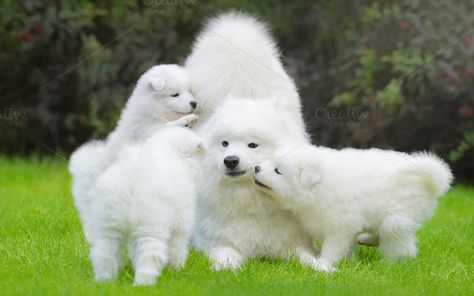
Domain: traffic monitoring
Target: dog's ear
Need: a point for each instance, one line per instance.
(308, 175)
(157, 83)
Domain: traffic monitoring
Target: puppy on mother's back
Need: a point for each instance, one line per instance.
(160, 98)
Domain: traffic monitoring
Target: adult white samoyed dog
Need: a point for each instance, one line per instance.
(236, 55)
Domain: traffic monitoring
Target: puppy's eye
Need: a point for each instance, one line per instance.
(252, 145)
(225, 143)
(277, 171)
(175, 95)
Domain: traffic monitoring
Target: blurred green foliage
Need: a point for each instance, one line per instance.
(390, 75)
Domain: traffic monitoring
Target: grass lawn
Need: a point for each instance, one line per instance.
(43, 251)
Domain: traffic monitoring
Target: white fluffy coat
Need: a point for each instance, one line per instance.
(152, 105)
(340, 194)
(146, 198)
(235, 55)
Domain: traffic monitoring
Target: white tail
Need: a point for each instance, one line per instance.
(88, 162)
(432, 170)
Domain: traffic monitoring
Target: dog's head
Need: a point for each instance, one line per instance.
(165, 92)
(242, 133)
(290, 175)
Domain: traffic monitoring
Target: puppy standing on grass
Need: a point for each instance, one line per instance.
(146, 198)
(161, 98)
(340, 194)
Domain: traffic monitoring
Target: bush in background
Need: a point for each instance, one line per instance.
(371, 73)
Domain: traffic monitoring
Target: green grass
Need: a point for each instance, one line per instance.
(43, 251)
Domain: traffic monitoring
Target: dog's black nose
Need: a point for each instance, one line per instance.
(193, 104)
(257, 169)
(231, 161)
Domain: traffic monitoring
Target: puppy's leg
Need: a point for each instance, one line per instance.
(368, 239)
(149, 256)
(225, 258)
(185, 121)
(333, 249)
(105, 257)
(178, 246)
(398, 238)
(306, 256)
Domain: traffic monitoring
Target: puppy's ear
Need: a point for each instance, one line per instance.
(308, 175)
(157, 83)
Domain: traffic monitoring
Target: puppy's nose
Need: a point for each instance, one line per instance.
(257, 169)
(231, 162)
(193, 104)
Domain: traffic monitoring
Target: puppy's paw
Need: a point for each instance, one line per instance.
(321, 265)
(105, 277)
(145, 278)
(226, 258)
(177, 263)
(190, 120)
(226, 264)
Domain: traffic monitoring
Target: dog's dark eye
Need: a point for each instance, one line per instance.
(175, 95)
(277, 171)
(225, 143)
(252, 145)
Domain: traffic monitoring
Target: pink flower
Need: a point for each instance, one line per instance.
(38, 28)
(441, 73)
(404, 24)
(469, 72)
(450, 79)
(25, 36)
(465, 111)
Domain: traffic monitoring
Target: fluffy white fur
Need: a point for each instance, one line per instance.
(236, 221)
(236, 55)
(340, 194)
(161, 98)
(146, 198)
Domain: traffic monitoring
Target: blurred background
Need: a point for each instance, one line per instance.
(387, 74)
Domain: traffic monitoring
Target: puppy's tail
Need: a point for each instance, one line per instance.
(434, 172)
(88, 162)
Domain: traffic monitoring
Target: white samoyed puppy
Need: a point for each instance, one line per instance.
(338, 194)
(235, 54)
(146, 198)
(237, 221)
(161, 98)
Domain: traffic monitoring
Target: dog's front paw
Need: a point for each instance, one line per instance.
(145, 278)
(321, 265)
(226, 258)
(105, 276)
(190, 120)
(178, 263)
(226, 263)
